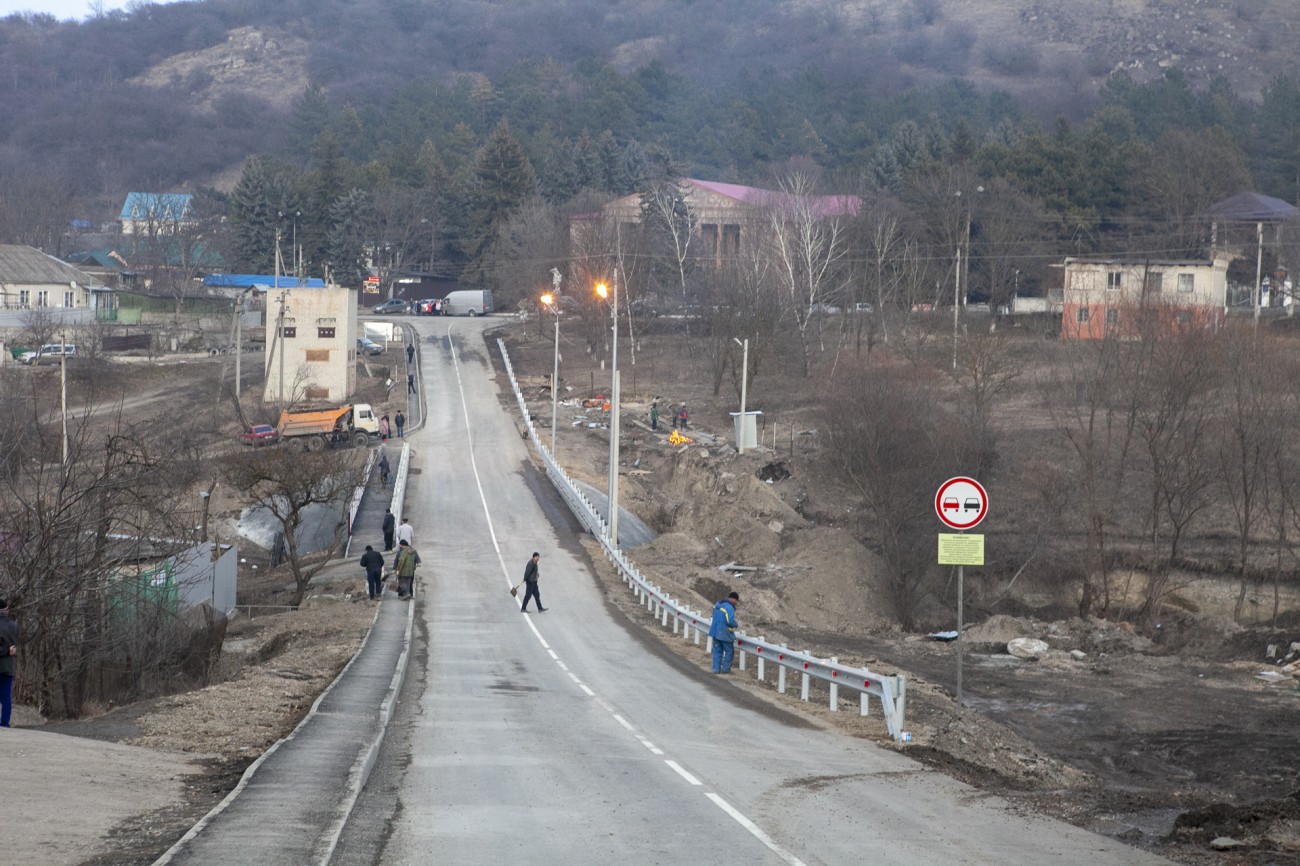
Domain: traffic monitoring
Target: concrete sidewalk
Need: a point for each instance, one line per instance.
(293, 802)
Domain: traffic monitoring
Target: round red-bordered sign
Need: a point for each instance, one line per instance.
(961, 502)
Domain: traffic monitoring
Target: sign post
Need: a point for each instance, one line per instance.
(961, 504)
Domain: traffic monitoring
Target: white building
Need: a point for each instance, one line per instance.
(311, 345)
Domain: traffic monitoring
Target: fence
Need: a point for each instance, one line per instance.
(890, 691)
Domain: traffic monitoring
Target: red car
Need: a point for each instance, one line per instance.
(260, 434)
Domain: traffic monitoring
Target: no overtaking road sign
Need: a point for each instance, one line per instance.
(961, 502)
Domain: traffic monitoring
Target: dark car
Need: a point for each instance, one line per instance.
(260, 434)
(367, 346)
(392, 305)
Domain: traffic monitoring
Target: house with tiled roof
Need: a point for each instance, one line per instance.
(32, 280)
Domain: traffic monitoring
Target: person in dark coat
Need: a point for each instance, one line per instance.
(530, 578)
(400, 420)
(383, 469)
(8, 664)
(410, 354)
(373, 562)
(410, 383)
(390, 527)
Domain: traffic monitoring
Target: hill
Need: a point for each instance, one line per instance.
(179, 95)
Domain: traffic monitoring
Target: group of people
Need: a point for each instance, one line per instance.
(405, 561)
(680, 416)
(386, 429)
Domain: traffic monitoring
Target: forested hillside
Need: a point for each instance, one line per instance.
(426, 128)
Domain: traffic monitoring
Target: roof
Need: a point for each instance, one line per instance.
(23, 264)
(165, 206)
(1252, 207)
(1132, 261)
(824, 205)
(248, 281)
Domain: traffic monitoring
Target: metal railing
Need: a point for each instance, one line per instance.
(889, 690)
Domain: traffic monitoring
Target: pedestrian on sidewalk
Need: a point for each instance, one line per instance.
(384, 428)
(410, 383)
(400, 420)
(410, 354)
(723, 632)
(383, 469)
(406, 532)
(373, 563)
(404, 564)
(390, 526)
(8, 664)
(530, 578)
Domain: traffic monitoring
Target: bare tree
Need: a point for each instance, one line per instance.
(807, 248)
(295, 488)
(986, 367)
(668, 218)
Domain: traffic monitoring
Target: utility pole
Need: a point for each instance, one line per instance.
(63, 393)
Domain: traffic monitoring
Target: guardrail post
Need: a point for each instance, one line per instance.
(900, 698)
(803, 691)
(675, 624)
(708, 642)
(762, 668)
(780, 679)
(866, 705)
(663, 610)
(835, 690)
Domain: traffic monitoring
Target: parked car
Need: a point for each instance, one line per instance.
(53, 353)
(260, 434)
(392, 305)
(367, 346)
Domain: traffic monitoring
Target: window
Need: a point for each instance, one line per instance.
(24, 297)
(1114, 280)
(730, 240)
(289, 331)
(1081, 315)
(69, 299)
(709, 237)
(325, 333)
(1186, 282)
(1112, 317)
(1184, 317)
(1155, 282)
(42, 298)
(318, 355)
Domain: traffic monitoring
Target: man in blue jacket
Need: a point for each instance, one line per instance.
(723, 632)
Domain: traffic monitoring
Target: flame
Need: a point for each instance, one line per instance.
(678, 439)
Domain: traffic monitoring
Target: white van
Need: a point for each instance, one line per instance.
(468, 302)
(53, 353)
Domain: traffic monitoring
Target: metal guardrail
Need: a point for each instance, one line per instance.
(890, 690)
(399, 482)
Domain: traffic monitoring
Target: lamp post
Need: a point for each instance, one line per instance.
(553, 305)
(744, 383)
(612, 297)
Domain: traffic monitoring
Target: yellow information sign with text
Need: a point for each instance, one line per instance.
(960, 549)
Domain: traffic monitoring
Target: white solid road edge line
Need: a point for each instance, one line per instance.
(755, 831)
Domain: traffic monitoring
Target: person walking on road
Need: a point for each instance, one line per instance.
(410, 354)
(405, 563)
(723, 632)
(400, 420)
(8, 664)
(410, 383)
(390, 526)
(373, 563)
(406, 532)
(530, 578)
(383, 469)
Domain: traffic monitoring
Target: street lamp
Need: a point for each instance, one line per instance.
(744, 382)
(552, 304)
(612, 297)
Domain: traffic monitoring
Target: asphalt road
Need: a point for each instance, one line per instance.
(565, 737)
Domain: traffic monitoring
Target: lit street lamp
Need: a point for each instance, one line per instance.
(612, 297)
(552, 304)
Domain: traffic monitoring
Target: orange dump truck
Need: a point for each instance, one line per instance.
(313, 431)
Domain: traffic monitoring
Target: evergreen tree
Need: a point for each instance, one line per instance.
(503, 180)
(311, 117)
(327, 182)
